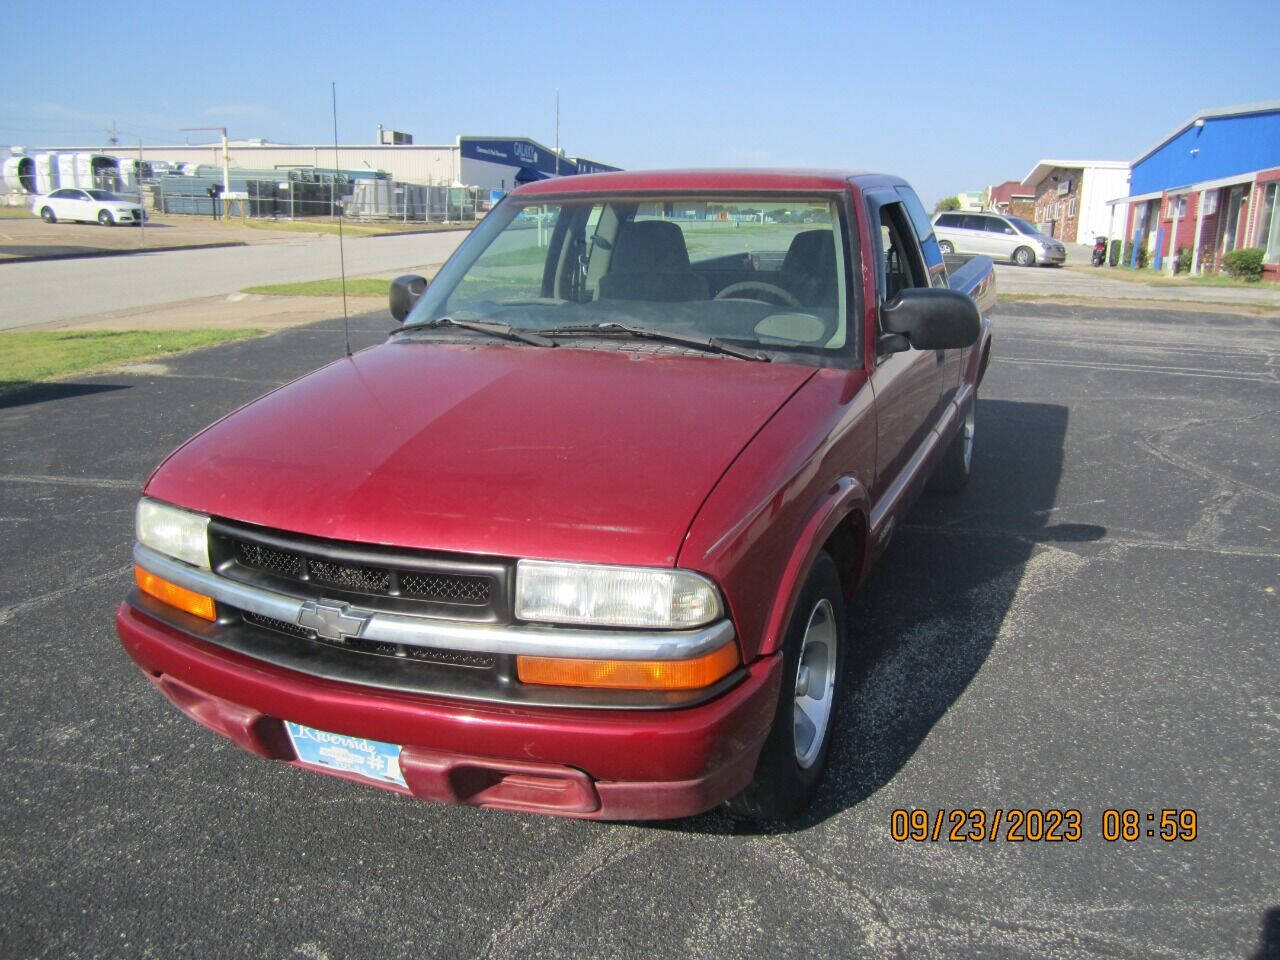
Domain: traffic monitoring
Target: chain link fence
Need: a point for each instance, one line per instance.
(289, 194)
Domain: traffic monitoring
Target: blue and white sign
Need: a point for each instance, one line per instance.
(514, 153)
(370, 759)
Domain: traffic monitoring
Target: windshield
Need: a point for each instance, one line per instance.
(766, 272)
(1024, 227)
(103, 195)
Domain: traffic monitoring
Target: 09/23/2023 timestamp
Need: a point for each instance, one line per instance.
(1040, 825)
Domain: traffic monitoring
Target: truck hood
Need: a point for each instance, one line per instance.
(569, 454)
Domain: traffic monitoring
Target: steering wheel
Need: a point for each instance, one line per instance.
(759, 286)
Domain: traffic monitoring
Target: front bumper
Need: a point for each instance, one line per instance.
(603, 764)
(1053, 255)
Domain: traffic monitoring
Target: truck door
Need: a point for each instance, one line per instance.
(908, 385)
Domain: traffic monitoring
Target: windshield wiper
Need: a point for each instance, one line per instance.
(709, 344)
(503, 330)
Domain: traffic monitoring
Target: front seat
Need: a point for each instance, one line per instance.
(809, 269)
(651, 262)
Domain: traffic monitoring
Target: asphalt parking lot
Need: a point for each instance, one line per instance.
(1091, 625)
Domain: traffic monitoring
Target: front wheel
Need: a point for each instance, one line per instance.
(956, 466)
(105, 218)
(1024, 257)
(47, 215)
(946, 247)
(793, 756)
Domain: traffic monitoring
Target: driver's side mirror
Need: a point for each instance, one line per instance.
(927, 318)
(404, 293)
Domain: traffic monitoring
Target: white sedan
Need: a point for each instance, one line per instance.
(71, 203)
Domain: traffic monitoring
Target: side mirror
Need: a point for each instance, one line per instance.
(405, 292)
(932, 319)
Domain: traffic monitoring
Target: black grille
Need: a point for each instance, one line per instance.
(279, 626)
(369, 580)
(268, 559)
(380, 578)
(452, 658)
(359, 579)
(453, 589)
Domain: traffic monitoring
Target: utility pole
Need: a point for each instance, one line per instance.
(557, 132)
(226, 180)
(111, 137)
(142, 224)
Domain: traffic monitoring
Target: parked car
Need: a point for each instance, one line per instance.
(578, 537)
(998, 236)
(72, 203)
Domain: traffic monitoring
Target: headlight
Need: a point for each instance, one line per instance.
(614, 596)
(180, 534)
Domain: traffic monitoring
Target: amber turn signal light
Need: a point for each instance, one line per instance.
(196, 604)
(630, 674)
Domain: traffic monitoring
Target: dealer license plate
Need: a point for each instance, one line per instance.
(368, 759)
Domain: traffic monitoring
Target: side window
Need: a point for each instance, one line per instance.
(973, 221)
(61, 194)
(901, 265)
(915, 210)
(996, 225)
(949, 220)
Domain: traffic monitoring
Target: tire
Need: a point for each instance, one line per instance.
(47, 215)
(946, 247)
(105, 218)
(956, 466)
(790, 766)
(1024, 257)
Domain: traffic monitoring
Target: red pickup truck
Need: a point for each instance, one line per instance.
(578, 537)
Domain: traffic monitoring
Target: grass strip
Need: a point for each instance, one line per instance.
(1158, 278)
(1154, 302)
(356, 287)
(31, 357)
(354, 228)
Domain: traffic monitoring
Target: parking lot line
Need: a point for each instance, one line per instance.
(1139, 368)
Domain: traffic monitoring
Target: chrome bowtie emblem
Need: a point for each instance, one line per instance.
(331, 622)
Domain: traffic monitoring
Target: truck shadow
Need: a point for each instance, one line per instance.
(926, 619)
(18, 393)
(1269, 937)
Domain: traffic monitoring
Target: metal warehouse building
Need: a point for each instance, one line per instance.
(1208, 187)
(490, 163)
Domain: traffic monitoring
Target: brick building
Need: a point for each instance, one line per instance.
(1011, 198)
(1071, 196)
(1208, 188)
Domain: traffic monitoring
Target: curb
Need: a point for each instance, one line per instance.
(122, 253)
(415, 233)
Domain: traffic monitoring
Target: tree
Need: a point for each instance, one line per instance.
(947, 203)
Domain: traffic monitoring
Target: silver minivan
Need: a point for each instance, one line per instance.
(997, 236)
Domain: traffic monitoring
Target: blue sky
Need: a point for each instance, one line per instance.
(952, 96)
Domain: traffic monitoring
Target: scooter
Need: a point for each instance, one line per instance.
(1099, 251)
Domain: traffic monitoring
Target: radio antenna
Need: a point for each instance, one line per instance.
(333, 195)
